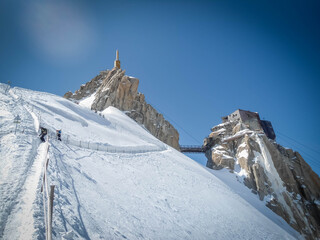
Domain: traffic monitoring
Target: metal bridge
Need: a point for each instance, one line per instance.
(192, 149)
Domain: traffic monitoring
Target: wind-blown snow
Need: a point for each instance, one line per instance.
(87, 102)
(154, 194)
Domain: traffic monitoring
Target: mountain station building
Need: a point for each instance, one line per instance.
(253, 120)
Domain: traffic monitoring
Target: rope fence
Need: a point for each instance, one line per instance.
(109, 148)
(98, 146)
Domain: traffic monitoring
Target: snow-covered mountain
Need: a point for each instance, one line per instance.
(279, 176)
(114, 88)
(113, 180)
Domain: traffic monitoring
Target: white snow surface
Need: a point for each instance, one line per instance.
(87, 102)
(143, 189)
(243, 154)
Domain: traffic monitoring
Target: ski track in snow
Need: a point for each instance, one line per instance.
(61, 165)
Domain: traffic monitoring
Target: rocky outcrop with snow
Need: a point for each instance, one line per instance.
(278, 175)
(114, 88)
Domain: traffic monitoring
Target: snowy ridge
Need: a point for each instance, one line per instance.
(155, 194)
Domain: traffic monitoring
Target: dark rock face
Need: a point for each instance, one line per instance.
(114, 88)
(275, 173)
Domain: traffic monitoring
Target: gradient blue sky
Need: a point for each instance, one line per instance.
(196, 60)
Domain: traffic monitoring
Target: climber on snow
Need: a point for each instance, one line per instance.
(58, 134)
(43, 133)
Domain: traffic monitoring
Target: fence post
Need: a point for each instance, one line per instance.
(51, 197)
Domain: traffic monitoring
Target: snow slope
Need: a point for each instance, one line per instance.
(113, 180)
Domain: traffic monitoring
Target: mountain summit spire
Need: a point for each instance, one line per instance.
(117, 61)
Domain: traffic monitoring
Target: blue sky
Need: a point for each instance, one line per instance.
(196, 60)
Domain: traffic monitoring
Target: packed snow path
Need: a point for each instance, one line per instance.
(104, 195)
(20, 171)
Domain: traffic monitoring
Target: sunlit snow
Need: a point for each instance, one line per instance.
(142, 189)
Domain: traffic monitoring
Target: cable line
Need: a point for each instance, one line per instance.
(159, 110)
(298, 142)
(310, 158)
(299, 147)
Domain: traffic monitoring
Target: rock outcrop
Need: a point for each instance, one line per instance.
(114, 88)
(277, 174)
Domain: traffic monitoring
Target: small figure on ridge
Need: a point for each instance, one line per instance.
(58, 134)
(43, 133)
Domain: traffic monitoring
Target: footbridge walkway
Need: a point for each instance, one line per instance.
(192, 149)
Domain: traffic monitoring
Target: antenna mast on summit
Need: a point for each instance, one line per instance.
(117, 61)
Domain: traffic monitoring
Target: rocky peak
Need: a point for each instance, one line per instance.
(114, 88)
(279, 176)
